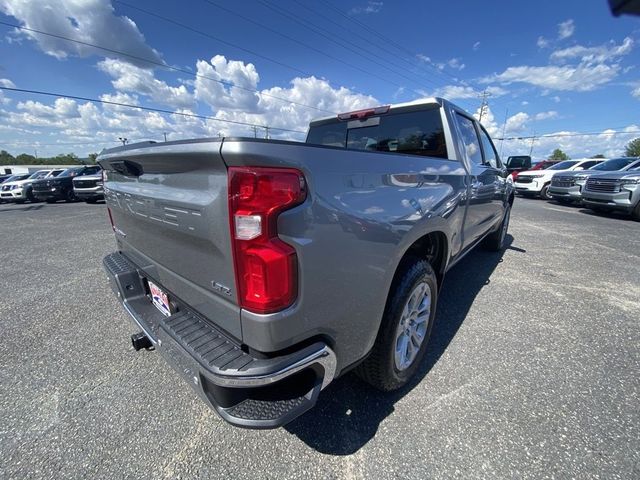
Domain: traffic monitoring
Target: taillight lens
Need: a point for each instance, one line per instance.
(266, 267)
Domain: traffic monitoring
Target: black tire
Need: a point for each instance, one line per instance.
(636, 212)
(495, 240)
(91, 200)
(69, 196)
(380, 369)
(30, 196)
(544, 193)
(50, 200)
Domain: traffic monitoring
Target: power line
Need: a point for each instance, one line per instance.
(362, 37)
(163, 65)
(330, 36)
(400, 47)
(294, 40)
(572, 134)
(150, 109)
(205, 34)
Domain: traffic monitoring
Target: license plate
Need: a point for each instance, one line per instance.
(159, 299)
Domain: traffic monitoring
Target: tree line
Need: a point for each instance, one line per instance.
(63, 159)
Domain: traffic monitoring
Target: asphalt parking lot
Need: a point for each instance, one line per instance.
(533, 370)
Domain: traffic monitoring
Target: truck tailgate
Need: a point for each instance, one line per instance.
(170, 212)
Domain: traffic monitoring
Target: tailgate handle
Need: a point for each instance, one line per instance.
(127, 168)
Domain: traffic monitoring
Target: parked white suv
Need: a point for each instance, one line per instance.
(20, 191)
(537, 182)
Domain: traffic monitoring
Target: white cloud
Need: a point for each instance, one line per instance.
(516, 123)
(458, 92)
(546, 115)
(423, 58)
(566, 29)
(524, 103)
(476, 46)
(66, 120)
(600, 54)
(91, 21)
(556, 99)
(133, 79)
(542, 42)
(370, 7)
(456, 64)
(5, 82)
(636, 92)
(234, 72)
(581, 78)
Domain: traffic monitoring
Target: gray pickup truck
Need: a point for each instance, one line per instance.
(263, 269)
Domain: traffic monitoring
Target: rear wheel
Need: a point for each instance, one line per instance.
(50, 200)
(91, 200)
(70, 196)
(495, 241)
(544, 193)
(636, 212)
(404, 332)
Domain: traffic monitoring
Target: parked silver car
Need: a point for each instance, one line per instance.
(615, 191)
(568, 186)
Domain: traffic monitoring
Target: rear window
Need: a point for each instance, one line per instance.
(416, 133)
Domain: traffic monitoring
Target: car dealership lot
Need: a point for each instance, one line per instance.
(533, 368)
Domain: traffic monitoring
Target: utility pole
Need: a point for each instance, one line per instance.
(504, 127)
(484, 103)
(165, 136)
(255, 131)
(533, 140)
(266, 130)
(124, 140)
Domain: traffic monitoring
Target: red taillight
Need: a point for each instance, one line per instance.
(266, 267)
(113, 225)
(361, 114)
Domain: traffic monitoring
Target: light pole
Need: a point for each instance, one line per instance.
(124, 140)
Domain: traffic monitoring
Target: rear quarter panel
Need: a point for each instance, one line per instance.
(363, 211)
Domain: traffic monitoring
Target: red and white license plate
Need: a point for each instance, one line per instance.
(159, 299)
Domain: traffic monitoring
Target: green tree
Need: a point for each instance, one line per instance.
(598, 155)
(633, 148)
(25, 159)
(6, 158)
(92, 158)
(559, 155)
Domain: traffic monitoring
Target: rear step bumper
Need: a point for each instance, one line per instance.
(245, 391)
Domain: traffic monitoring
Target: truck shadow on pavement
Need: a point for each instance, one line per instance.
(349, 411)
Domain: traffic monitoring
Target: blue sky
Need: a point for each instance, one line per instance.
(551, 67)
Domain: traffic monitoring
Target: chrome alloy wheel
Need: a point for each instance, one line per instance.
(412, 328)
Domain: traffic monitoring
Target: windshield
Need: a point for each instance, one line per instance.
(614, 164)
(517, 162)
(15, 178)
(39, 174)
(563, 165)
(70, 172)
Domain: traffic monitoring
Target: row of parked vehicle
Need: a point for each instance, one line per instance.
(602, 185)
(50, 185)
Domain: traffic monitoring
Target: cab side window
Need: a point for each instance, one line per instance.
(490, 154)
(470, 139)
